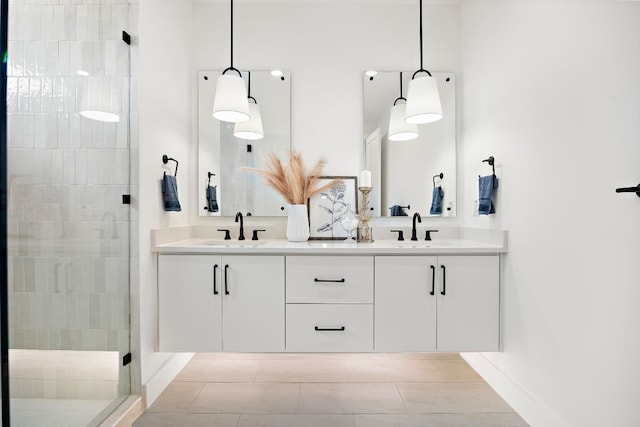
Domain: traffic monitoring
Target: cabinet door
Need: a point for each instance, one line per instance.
(189, 310)
(469, 310)
(254, 306)
(405, 308)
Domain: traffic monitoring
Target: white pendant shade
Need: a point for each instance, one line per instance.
(252, 128)
(399, 129)
(423, 101)
(230, 103)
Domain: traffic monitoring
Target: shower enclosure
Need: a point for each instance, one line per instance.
(68, 174)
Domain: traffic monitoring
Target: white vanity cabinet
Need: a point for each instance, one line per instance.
(437, 303)
(329, 303)
(213, 303)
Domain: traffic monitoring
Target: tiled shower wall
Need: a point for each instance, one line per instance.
(68, 231)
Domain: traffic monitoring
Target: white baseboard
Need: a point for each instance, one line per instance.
(156, 385)
(533, 412)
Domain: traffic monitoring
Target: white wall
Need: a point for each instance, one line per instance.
(551, 89)
(165, 128)
(326, 46)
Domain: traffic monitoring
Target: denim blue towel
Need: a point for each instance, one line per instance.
(397, 210)
(212, 201)
(487, 185)
(170, 193)
(436, 201)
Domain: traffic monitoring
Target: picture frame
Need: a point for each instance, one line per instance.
(327, 208)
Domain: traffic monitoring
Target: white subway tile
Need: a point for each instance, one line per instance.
(121, 133)
(93, 162)
(35, 94)
(24, 102)
(28, 129)
(35, 15)
(39, 48)
(63, 130)
(81, 166)
(47, 95)
(110, 134)
(85, 58)
(110, 58)
(74, 130)
(69, 170)
(40, 131)
(15, 61)
(47, 23)
(24, 20)
(58, 94)
(17, 131)
(70, 93)
(57, 163)
(93, 22)
(64, 58)
(86, 132)
(98, 134)
(123, 59)
(14, 23)
(70, 26)
(58, 22)
(52, 59)
(82, 22)
(29, 59)
(12, 94)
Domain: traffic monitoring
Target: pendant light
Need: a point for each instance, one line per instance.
(399, 129)
(230, 103)
(252, 128)
(423, 100)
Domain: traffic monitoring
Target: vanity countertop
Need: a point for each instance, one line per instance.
(328, 247)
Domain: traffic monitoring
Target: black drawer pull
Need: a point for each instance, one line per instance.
(226, 280)
(329, 280)
(433, 280)
(340, 329)
(215, 273)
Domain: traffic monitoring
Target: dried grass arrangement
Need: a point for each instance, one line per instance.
(293, 181)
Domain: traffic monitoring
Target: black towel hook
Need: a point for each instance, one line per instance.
(635, 189)
(491, 160)
(165, 160)
(441, 175)
(209, 174)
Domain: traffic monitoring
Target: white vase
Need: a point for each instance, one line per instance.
(298, 224)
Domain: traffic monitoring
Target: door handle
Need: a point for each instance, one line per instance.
(444, 280)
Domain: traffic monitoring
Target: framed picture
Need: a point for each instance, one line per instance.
(329, 207)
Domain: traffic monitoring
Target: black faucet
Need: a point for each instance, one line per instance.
(413, 226)
(239, 217)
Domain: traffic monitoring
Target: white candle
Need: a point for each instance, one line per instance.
(365, 178)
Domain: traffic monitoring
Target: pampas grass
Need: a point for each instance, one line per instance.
(293, 181)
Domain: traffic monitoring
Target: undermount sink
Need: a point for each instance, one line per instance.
(413, 244)
(231, 243)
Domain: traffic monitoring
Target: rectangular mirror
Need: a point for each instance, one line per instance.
(404, 173)
(224, 156)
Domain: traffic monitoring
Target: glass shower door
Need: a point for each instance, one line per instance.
(68, 229)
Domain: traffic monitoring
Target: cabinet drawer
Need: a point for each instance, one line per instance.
(329, 279)
(330, 327)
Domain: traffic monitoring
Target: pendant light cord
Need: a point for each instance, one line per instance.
(401, 97)
(249, 88)
(421, 70)
(231, 68)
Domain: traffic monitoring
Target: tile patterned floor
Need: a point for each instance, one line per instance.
(329, 390)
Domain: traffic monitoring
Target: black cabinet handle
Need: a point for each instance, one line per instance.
(433, 280)
(226, 280)
(340, 329)
(215, 285)
(444, 280)
(629, 190)
(329, 280)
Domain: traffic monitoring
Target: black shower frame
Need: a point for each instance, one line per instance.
(4, 303)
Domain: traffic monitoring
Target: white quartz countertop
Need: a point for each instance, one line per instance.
(328, 247)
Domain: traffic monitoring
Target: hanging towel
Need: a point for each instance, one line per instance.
(212, 202)
(397, 210)
(170, 193)
(487, 185)
(436, 201)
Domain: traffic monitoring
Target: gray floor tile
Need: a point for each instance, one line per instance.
(162, 419)
(451, 398)
(296, 420)
(347, 398)
(302, 371)
(219, 370)
(177, 397)
(250, 398)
